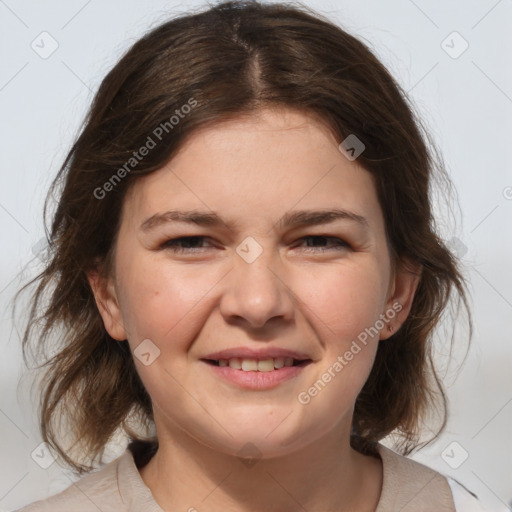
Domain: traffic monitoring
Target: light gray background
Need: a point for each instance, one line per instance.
(466, 101)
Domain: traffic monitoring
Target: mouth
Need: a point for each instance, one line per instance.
(268, 364)
(257, 374)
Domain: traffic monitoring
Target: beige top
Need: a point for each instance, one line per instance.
(408, 486)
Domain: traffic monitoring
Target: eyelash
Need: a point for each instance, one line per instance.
(171, 244)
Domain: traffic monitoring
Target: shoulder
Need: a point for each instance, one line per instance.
(108, 489)
(409, 485)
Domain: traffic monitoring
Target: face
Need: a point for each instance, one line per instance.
(255, 284)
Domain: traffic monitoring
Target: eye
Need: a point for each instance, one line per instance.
(336, 243)
(190, 242)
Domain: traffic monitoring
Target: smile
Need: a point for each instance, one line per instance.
(256, 374)
(258, 365)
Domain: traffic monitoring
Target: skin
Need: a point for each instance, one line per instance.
(251, 171)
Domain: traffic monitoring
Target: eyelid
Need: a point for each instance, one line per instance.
(338, 242)
(167, 242)
(172, 243)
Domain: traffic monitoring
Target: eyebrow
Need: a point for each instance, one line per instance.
(295, 219)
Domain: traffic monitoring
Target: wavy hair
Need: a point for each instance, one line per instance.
(233, 59)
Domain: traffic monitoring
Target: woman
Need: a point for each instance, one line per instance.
(248, 275)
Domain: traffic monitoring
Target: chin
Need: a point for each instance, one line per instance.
(258, 435)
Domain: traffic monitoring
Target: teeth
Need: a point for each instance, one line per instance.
(249, 365)
(266, 365)
(253, 365)
(235, 363)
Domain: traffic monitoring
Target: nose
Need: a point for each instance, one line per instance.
(255, 293)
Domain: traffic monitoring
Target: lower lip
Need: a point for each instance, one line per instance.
(255, 379)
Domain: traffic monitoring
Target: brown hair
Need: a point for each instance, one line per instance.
(230, 60)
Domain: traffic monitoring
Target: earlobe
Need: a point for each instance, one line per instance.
(405, 283)
(108, 304)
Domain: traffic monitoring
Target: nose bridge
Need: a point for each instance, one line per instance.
(256, 292)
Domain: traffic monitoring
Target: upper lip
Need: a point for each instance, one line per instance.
(250, 353)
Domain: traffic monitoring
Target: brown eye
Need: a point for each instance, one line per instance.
(335, 243)
(184, 244)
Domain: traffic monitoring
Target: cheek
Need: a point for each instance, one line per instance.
(161, 302)
(343, 300)
(343, 306)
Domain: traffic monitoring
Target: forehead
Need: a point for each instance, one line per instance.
(260, 165)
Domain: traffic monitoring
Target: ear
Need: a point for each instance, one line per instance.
(403, 286)
(108, 305)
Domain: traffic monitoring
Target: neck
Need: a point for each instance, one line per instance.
(325, 475)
